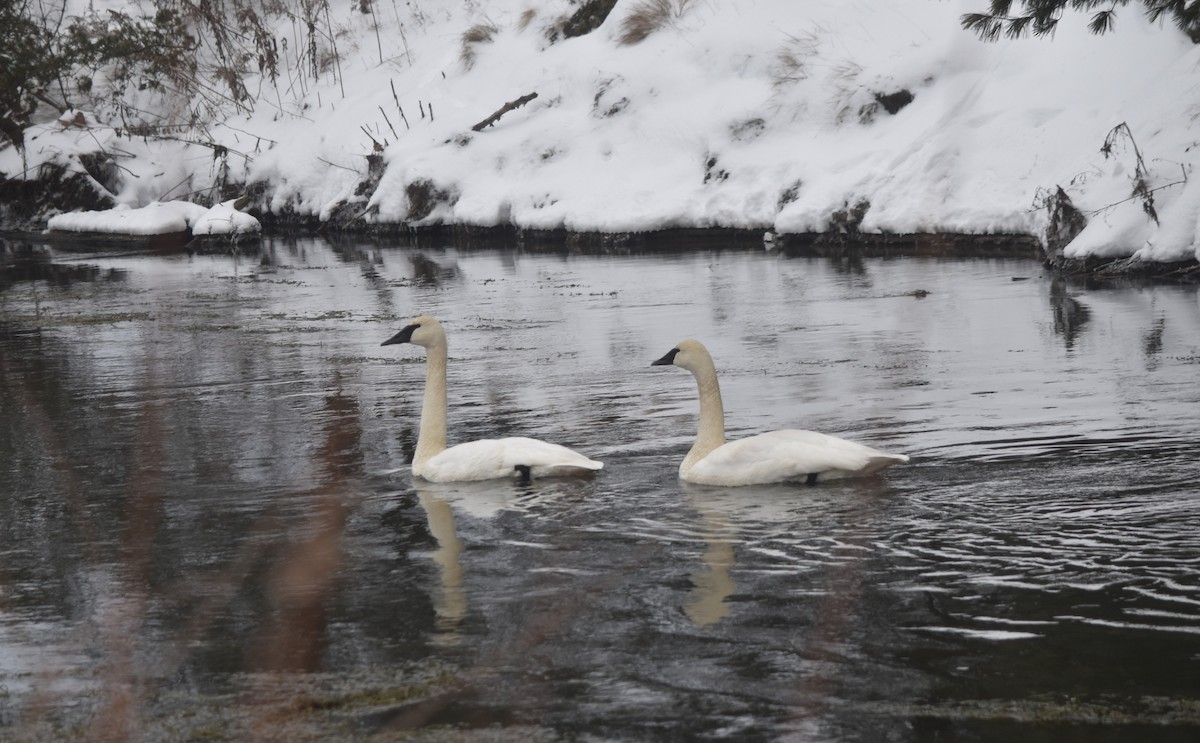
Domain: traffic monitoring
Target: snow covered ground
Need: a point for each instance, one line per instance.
(763, 114)
(159, 219)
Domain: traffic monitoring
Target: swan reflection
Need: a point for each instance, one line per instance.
(729, 520)
(712, 583)
(481, 500)
(724, 517)
(450, 600)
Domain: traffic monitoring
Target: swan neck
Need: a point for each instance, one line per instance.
(431, 439)
(711, 433)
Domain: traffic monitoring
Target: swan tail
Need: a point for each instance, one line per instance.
(880, 461)
(583, 467)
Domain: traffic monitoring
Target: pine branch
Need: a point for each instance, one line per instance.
(1018, 27)
(1041, 17)
(986, 27)
(1102, 22)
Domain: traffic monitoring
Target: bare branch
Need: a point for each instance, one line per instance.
(503, 110)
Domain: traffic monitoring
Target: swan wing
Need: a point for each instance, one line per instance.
(489, 459)
(780, 456)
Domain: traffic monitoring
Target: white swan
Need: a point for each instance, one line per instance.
(777, 456)
(485, 459)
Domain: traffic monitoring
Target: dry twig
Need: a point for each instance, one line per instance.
(503, 110)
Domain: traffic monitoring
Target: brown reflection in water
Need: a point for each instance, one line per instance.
(120, 626)
(118, 629)
(300, 588)
(839, 611)
(305, 573)
(519, 652)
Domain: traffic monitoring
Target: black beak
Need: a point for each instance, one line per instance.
(404, 336)
(666, 360)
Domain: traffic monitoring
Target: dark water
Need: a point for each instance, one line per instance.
(209, 530)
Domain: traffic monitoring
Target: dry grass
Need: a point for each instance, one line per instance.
(480, 33)
(791, 61)
(648, 16)
(847, 93)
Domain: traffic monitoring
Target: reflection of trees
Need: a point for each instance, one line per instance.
(849, 264)
(1152, 344)
(356, 250)
(25, 262)
(51, 473)
(37, 266)
(1070, 315)
(428, 271)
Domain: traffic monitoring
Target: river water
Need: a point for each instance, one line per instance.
(210, 530)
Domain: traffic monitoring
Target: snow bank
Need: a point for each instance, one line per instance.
(224, 219)
(158, 219)
(153, 219)
(763, 114)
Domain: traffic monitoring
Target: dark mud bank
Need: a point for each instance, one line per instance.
(826, 244)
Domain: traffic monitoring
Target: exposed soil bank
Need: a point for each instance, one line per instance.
(1126, 268)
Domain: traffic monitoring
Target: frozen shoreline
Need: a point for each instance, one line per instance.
(819, 245)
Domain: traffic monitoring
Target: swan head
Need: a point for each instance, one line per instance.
(689, 354)
(420, 331)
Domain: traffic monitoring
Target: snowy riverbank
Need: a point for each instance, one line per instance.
(767, 116)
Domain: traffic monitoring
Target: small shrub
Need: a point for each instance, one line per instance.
(1141, 174)
(1065, 220)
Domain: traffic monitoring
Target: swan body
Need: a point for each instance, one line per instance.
(489, 459)
(485, 459)
(777, 456)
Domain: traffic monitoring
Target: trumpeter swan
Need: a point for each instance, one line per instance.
(485, 459)
(776, 456)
